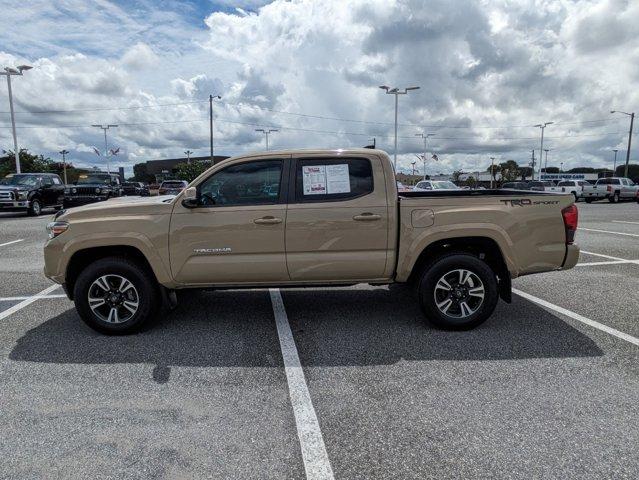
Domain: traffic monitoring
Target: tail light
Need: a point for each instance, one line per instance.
(609, 188)
(571, 218)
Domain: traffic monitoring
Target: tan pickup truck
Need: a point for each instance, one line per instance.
(307, 218)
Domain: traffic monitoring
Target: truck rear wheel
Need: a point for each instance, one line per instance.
(116, 296)
(458, 291)
(614, 198)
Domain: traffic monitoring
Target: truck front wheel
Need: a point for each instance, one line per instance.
(458, 291)
(116, 296)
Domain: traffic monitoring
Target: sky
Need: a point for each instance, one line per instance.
(488, 71)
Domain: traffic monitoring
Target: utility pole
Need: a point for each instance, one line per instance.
(614, 163)
(541, 148)
(533, 164)
(266, 133)
(413, 164)
(8, 71)
(492, 171)
(561, 167)
(106, 151)
(211, 97)
(396, 91)
(632, 121)
(188, 156)
(425, 137)
(64, 153)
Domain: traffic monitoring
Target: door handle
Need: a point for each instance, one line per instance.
(268, 220)
(367, 217)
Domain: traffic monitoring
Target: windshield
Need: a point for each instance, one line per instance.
(20, 180)
(93, 178)
(444, 186)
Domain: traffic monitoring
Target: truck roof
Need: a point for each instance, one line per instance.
(313, 151)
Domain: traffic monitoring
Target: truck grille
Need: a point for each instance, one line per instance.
(84, 191)
(6, 195)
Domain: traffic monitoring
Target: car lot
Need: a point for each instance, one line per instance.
(214, 389)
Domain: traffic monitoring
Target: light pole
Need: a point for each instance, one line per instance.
(396, 91)
(492, 171)
(614, 164)
(106, 151)
(425, 137)
(541, 148)
(413, 164)
(546, 163)
(64, 153)
(266, 133)
(188, 156)
(8, 71)
(211, 97)
(561, 167)
(632, 120)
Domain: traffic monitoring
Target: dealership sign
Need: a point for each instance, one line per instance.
(569, 176)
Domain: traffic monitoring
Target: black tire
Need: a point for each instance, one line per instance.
(146, 292)
(614, 198)
(35, 208)
(588, 200)
(443, 267)
(574, 194)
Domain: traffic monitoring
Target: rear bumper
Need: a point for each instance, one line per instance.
(572, 257)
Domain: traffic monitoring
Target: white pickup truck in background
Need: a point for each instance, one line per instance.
(576, 187)
(612, 188)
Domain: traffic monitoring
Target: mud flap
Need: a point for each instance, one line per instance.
(505, 288)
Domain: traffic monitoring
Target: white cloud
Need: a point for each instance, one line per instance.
(140, 56)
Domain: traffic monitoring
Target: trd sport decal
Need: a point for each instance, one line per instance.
(526, 202)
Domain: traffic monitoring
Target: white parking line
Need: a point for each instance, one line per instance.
(11, 242)
(36, 297)
(605, 262)
(27, 301)
(602, 255)
(316, 462)
(622, 221)
(608, 231)
(579, 318)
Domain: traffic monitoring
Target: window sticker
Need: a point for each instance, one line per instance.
(325, 179)
(337, 180)
(314, 179)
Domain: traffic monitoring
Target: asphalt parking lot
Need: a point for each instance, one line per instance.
(547, 388)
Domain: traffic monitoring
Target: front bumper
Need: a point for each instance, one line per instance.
(572, 257)
(83, 200)
(14, 206)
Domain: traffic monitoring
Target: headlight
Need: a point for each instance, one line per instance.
(74, 190)
(57, 228)
(97, 190)
(66, 191)
(23, 195)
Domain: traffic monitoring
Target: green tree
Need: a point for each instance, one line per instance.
(29, 163)
(495, 170)
(141, 175)
(509, 170)
(190, 171)
(525, 172)
(633, 170)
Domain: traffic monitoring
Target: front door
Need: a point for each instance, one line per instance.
(236, 233)
(338, 220)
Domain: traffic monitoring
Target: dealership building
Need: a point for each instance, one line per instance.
(166, 168)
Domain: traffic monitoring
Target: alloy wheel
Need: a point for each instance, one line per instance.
(113, 299)
(459, 293)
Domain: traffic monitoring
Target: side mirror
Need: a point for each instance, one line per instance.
(189, 200)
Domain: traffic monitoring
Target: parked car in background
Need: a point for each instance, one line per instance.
(92, 187)
(172, 187)
(427, 185)
(31, 192)
(614, 189)
(402, 188)
(576, 187)
(135, 188)
(540, 185)
(515, 186)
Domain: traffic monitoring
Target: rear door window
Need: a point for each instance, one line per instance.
(332, 179)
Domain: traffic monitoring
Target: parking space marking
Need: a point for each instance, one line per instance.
(316, 462)
(608, 231)
(622, 221)
(37, 297)
(613, 260)
(602, 255)
(27, 301)
(605, 262)
(11, 242)
(579, 318)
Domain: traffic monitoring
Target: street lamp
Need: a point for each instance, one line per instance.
(64, 153)
(614, 164)
(211, 97)
(546, 163)
(541, 148)
(106, 152)
(266, 133)
(561, 167)
(492, 171)
(8, 71)
(396, 91)
(425, 137)
(188, 156)
(632, 120)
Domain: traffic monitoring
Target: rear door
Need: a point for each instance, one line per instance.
(236, 234)
(337, 222)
